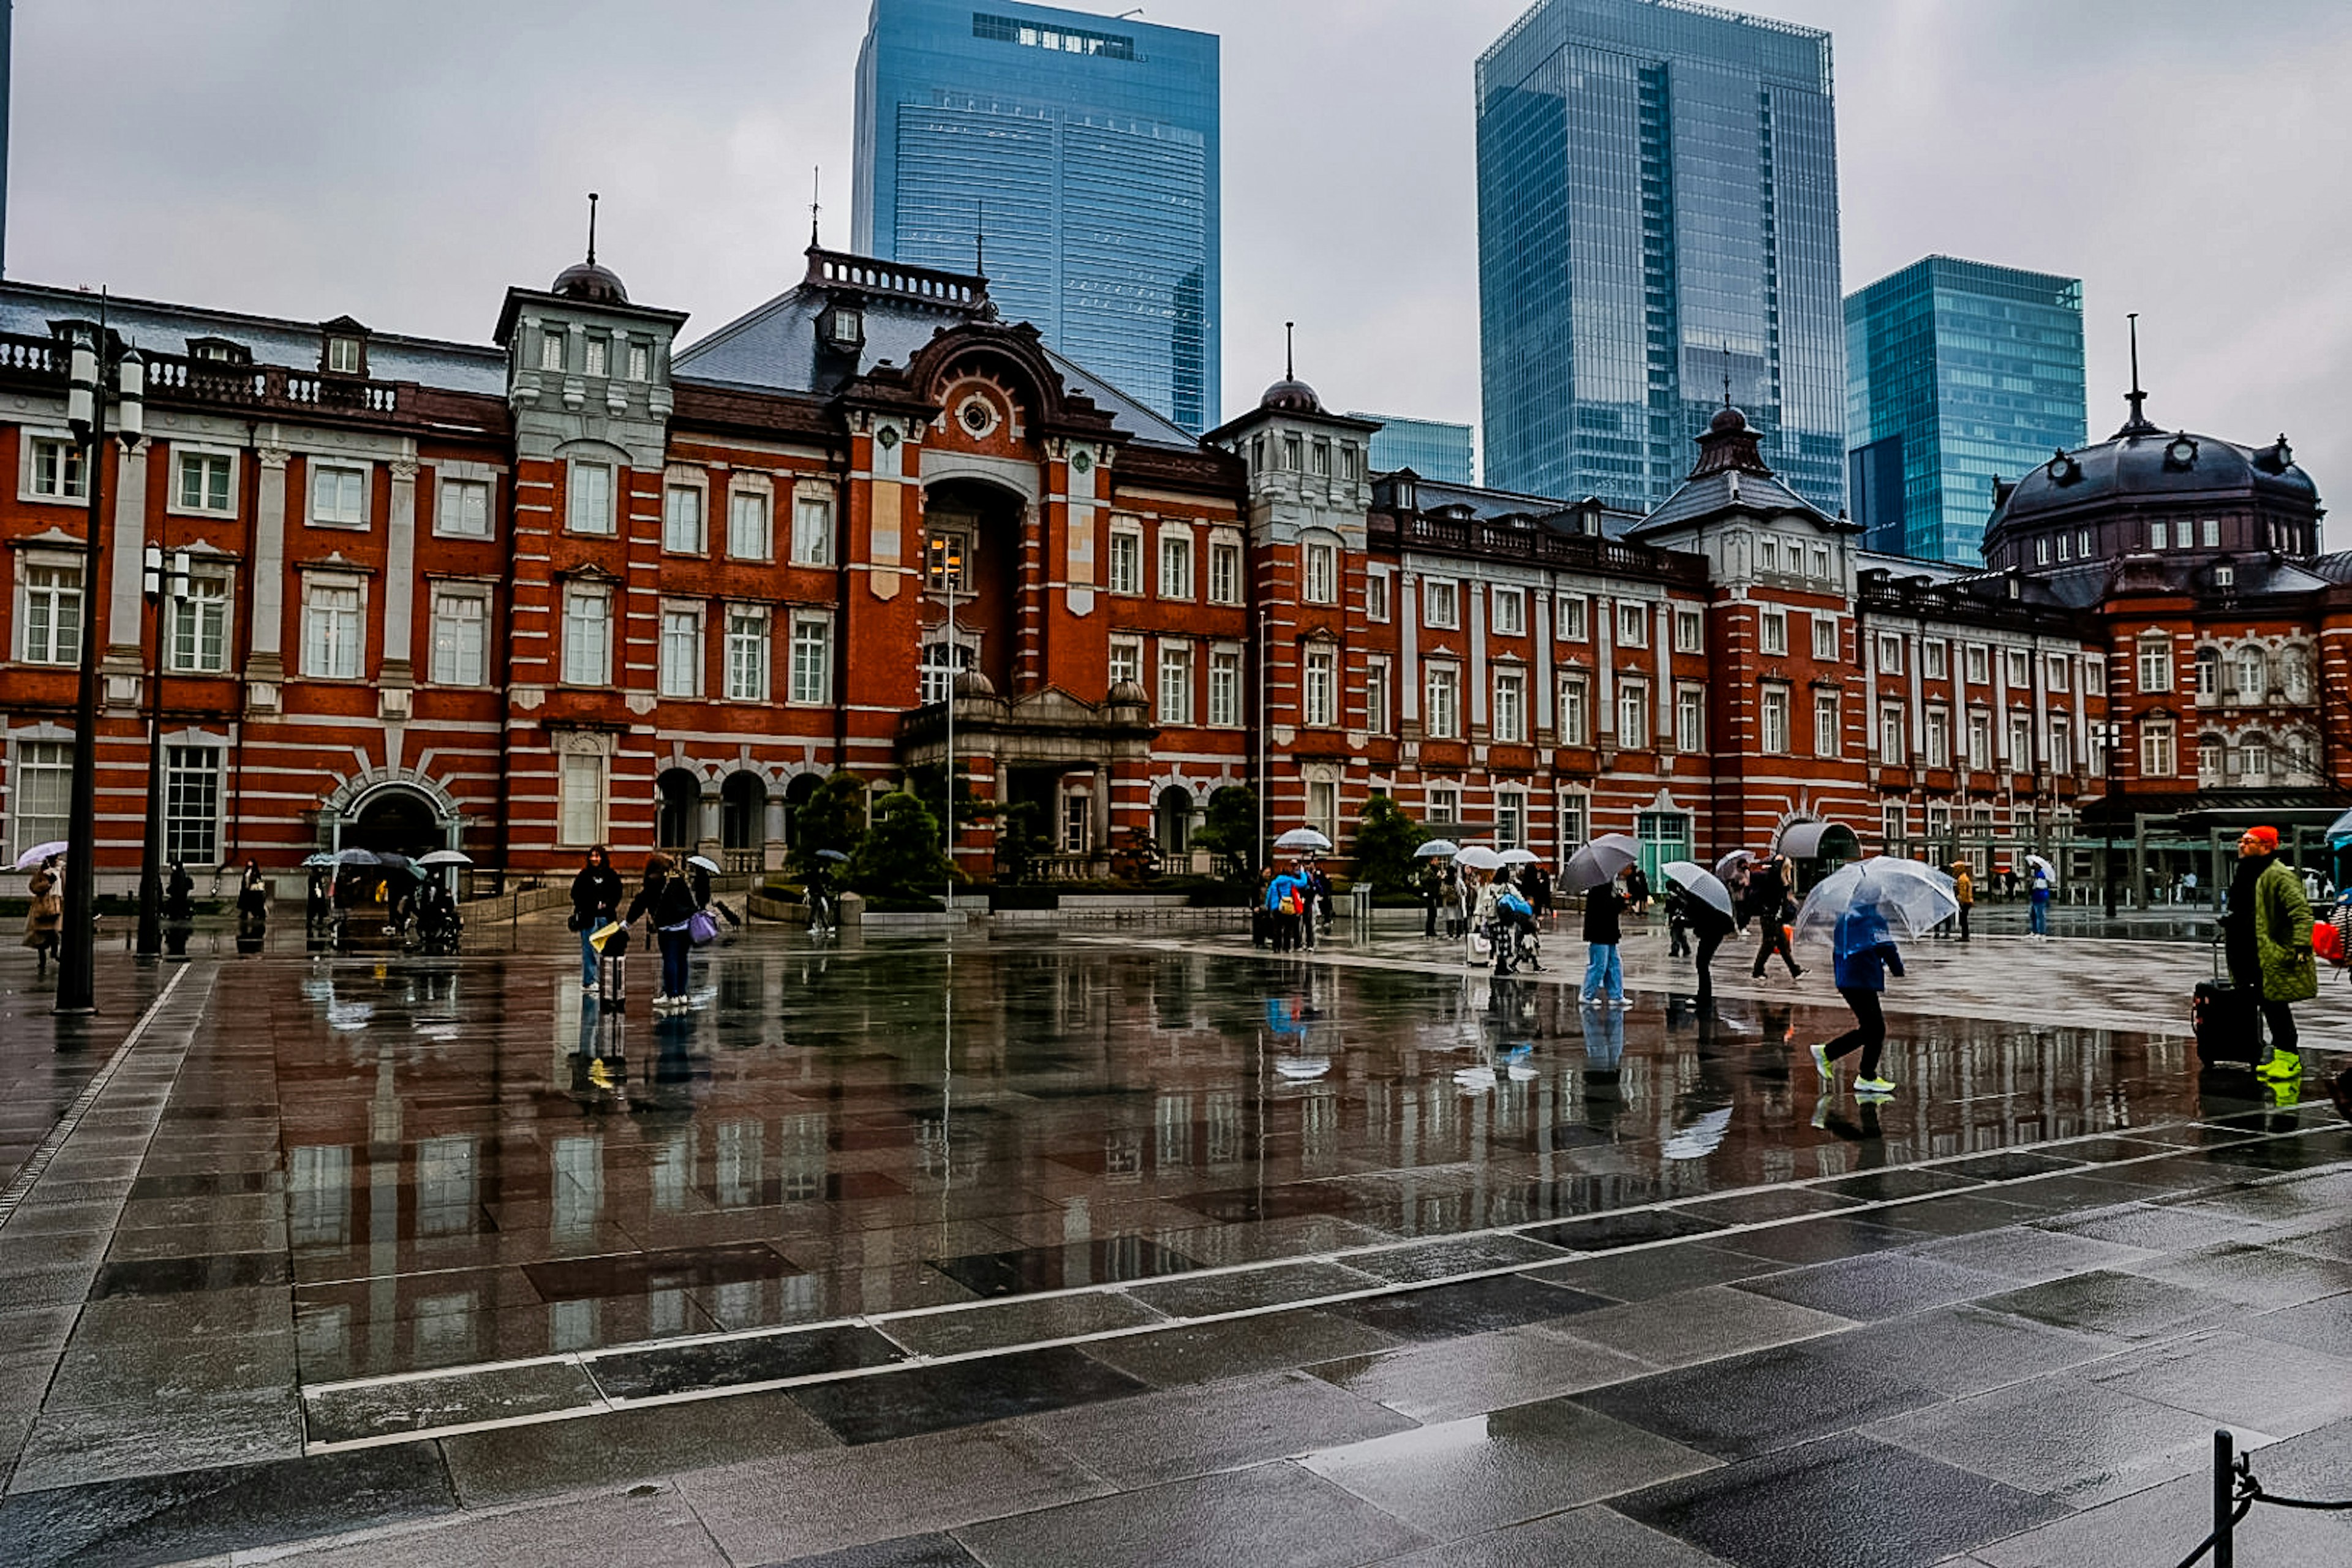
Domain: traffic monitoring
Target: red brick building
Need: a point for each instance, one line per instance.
(585, 584)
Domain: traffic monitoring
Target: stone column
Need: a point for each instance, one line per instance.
(707, 841)
(265, 664)
(125, 661)
(398, 671)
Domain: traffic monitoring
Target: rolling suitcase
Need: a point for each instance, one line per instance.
(2226, 1020)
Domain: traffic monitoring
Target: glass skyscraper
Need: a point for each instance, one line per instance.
(1958, 374)
(1657, 218)
(1430, 447)
(1086, 148)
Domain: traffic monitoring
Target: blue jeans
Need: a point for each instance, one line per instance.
(1602, 969)
(588, 956)
(2038, 914)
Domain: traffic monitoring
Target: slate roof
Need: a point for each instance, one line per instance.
(1712, 495)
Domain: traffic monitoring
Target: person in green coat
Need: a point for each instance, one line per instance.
(2267, 936)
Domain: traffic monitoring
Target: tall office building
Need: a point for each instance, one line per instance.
(1657, 220)
(1958, 373)
(1433, 448)
(1085, 148)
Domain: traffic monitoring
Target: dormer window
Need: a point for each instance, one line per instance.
(343, 356)
(842, 327)
(219, 351)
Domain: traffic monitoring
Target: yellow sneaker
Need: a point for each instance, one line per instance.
(2282, 1065)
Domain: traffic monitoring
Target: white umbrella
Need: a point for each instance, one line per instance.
(444, 858)
(1698, 882)
(1519, 857)
(2046, 866)
(1478, 858)
(1435, 848)
(1302, 839)
(1910, 896)
(41, 852)
(704, 862)
(1598, 863)
(1733, 861)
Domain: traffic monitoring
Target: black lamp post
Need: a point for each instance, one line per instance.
(99, 372)
(2111, 736)
(165, 583)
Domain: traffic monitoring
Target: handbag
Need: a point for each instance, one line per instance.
(702, 928)
(571, 920)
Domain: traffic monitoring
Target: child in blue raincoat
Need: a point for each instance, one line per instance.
(1866, 952)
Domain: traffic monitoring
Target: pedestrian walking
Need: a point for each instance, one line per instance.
(317, 900)
(2037, 911)
(1430, 881)
(667, 904)
(1514, 925)
(46, 918)
(1964, 888)
(1457, 901)
(1286, 907)
(595, 902)
(701, 879)
(1482, 913)
(1320, 881)
(1604, 974)
(1768, 896)
(1865, 953)
(1712, 928)
(2267, 937)
(1536, 880)
(252, 903)
(1678, 905)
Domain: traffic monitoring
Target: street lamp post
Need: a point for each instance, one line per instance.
(2110, 731)
(92, 355)
(166, 583)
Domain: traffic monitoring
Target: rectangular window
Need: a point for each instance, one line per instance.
(1773, 639)
(1224, 687)
(812, 659)
(587, 635)
(56, 469)
(343, 356)
(1935, 659)
(464, 512)
(582, 792)
(203, 482)
(2211, 531)
(1826, 740)
(1891, 748)
(2094, 676)
(641, 362)
(550, 349)
(2156, 664)
(331, 633)
(1940, 823)
(40, 793)
(1127, 660)
(746, 527)
(947, 560)
(599, 349)
(1690, 719)
(1826, 636)
(1511, 705)
(1224, 571)
(1510, 611)
(2156, 751)
(1690, 633)
(1175, 566)
(198, 622)
(1575, 820)
(2062, 742)
(1572, 614)
(1442, 805)
(682, 527)
(1890, 653)
(1575, 717)
(1443, 720)
(1441, 602)
(1633, 625)
(339, 496)
(1510, 819)
(2021, 743)
(681, 653)
(1175, 684)
(1376, 597)
(1322, 456)
(1290, 453)
(747, 653)
(811, 532)
(1126, 562)
(1821, 558)
(1323, 804)
(1891, 827)
(52, 615)
(2158, 535)
(1633, 716)
(1775, 711)
(1322, 563)
(942, 663)
(1939, 737)
(2019, 668)
(1981, 740)
(1320, 687)
(192, 777)
(2057, 670)
(1376, 695)
(1978, 664)
(1767, 553)
(588, 500)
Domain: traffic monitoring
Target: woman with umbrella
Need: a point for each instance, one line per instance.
(1707, 908)
(252, 902)
(1861, 906)
(46, 918)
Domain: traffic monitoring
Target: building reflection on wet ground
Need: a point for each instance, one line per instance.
(482, 1165)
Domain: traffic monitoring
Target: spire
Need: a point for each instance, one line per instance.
(2139, 424)
(816, 197)
(1726, 373)
(979, 241)
(1289, 358)
(592, 228)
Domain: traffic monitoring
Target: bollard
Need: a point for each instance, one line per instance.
(2224, 1527)
(1359, 909)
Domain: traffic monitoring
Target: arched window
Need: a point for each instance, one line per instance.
(940, 661)
(1173, 817)
(2257, 759)
(742, 817)
(2253, 674)
(674, 826)
(2208, 760)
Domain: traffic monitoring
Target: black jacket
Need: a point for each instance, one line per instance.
(596, 891)
(1602, 906)
(668, 902)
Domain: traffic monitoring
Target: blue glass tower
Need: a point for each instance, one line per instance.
(1958, 374)
(1432, 448)
(1657, 217)
(1087, 148)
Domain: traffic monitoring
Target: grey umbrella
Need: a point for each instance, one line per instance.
(1601, 862)
(1698, 882)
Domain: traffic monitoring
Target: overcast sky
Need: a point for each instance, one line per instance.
(404, 161)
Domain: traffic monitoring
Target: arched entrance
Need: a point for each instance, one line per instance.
(796, 794)
(743, 821)
(681, 793)
(395, 820)
(1174, 819)
(972, 553)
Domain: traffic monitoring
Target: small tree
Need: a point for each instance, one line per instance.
(832, 818)
(1229, 827)
(899, 856)
(1018, 842)
(1386, 836)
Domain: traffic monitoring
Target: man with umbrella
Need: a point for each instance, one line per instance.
(1767, 895)
(1706, 905)
(1861, 908)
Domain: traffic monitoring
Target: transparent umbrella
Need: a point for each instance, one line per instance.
(1302, 839)
(1435, 848)
(1519, 857)
(1601, 862)
(1733, 861)
(41, 852)
(1478, 858)
(1911, 897)
(1698, 882)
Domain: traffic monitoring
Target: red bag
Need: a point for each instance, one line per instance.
(2327, 941)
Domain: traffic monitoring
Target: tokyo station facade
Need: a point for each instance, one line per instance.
(586, 583)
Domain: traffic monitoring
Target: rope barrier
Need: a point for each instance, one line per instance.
(2235, 1492)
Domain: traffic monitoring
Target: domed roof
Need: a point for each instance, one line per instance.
(590, 284)
(1726, 420)
(2151, 464)
(972, 683)
(1127, 694)
(1291, 395)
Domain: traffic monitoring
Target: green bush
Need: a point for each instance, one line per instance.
(832, 818)
(1386, 836)
(899, 856)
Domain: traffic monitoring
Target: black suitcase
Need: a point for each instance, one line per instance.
(2226, 1020)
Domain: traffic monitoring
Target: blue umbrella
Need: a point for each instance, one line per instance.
(830, 855)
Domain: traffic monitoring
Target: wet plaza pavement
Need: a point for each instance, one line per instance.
(1140, 1246)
